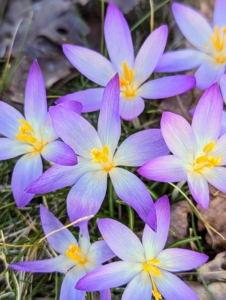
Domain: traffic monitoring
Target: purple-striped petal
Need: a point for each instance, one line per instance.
(51, 223)
(115, 234)
(216, 176)
(193, 25)
(47, 131)
(57, 264)
(131, 189)
(154, 242)
(109, 123)
(140, 147)
(87, 195)
(59, 153)
(73, 106)
(175, 260)
(199, 188)
(219, 13)
(35, 104)
(180, 60)
(10, 148)
(208, 73)
(109, 276)
(206, 121)
(90, 63)
(131, 108)
(165, 169)
(9, 116)
(90, 99)
(167, 87)
(99, 252)
(178, 135)
(173, 288)
(149, 54)
(68, 290)
(139, 287)
(223, 87)
(27, 169)
(75, 131)
(118, 38)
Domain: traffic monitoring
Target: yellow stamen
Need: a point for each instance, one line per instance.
(126, 81)
(209, 147)
(218, 41)
(101, 157)
(149, 267)
(75, 253)
(155, 292)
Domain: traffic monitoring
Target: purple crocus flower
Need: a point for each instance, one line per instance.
(146, 266)
(133, 73)
(97, 159)
(32, 135)
(199, 155)
(210, 58)
(76, 258)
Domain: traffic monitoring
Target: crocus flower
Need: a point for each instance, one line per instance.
(75, 260)
(97, 159)
(199, 155)
(146, 266)
(32, 135)
(210, 58)
(133, 73)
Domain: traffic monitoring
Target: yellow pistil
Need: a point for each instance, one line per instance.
(101, 157)
(75, 253)
(205, 161)
(26, 135)
(126, 81)
(149, 266)
(218, 41)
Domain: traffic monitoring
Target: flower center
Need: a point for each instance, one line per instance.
(75, 253)
(101, 157)
(218, 41)
(26, 135)
(205, 161)
(126, 81)
(149, 266)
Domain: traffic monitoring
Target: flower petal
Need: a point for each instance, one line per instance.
(154, 242)
(109, 123)
(208, 73)
(68, 290)
(99, 252)
(109, 276)
(35, 104)
(91, 99)
(165, 169)
(87, 195)
(216, 176)
(206, 121)
(59, 153)
(105, 295)
(149, 54)
(180, 60)
(115, 234)
(57, 264)
(118, 38)
(193, 25)
(199, 189)
(139, 287)
(140, 147)
(178, 135)
(9, 125)
(223, 87)
(220, 149)
(131, 108)
(10, 148)
(223, 123)
(175, 260)
(90, 63)
(131, 189)
(219, 13)
(27, 169)
(167, 87)
(47, 131)
(171, 287)
(75, 131)
(51, 223)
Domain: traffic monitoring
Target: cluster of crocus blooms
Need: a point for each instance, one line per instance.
(86, 158)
